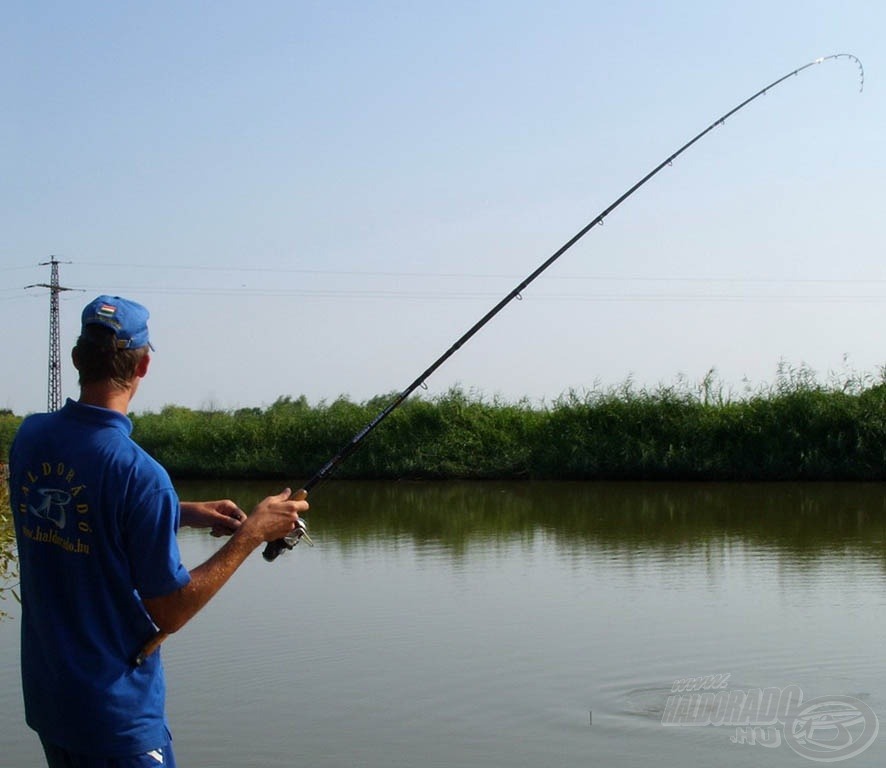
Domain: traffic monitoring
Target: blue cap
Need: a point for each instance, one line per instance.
(127, 319)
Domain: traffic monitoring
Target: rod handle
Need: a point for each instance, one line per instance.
(275, 548)
(149, 647)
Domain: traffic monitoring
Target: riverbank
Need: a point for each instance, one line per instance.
(796, 430)
(8, 560)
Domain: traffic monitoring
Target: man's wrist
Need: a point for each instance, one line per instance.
(247, 536)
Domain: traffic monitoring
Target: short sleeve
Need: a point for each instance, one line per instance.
(152, 547)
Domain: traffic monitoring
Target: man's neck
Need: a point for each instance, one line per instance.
(106, 396)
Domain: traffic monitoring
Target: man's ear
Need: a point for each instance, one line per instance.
(75, 357)
(142, 368)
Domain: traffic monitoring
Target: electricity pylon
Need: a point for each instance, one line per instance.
(54, 397)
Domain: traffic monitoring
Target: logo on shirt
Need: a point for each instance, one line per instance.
(52, 502)
(53, 507)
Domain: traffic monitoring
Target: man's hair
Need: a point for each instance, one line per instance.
(98, 359)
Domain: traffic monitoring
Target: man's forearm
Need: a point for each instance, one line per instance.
(171, 612)
(189, 513)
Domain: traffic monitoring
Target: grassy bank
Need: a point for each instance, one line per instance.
(796, 429)
(8, 561)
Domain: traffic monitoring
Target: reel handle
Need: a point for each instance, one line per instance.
(275, 548)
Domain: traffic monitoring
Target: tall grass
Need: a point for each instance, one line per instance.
(794, 429)
(452, 436)
(8, 560)
(797, 429)
(789, 433)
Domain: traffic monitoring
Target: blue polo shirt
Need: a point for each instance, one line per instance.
(95, 521)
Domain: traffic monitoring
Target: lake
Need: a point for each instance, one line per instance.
(535, 624)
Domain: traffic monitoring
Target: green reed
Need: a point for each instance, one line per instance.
(455, 435)
(794, 429)
(8, 559)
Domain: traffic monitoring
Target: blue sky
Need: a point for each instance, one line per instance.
(319, 197)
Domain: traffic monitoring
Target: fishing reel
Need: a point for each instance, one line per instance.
(275, 548)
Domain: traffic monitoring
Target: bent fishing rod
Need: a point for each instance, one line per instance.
(275, 548)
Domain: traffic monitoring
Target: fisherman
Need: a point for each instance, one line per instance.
(96, 520)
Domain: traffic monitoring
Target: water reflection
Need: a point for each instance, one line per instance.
(479, 624)
(801, 521)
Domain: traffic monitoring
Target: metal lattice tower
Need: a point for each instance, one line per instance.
(54, 397)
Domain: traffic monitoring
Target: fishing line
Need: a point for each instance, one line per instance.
(275, 548)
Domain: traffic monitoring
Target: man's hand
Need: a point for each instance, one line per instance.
(222, 516)
(276, 516)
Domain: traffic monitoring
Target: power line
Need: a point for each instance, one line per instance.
(615, 278)
(491, 275)
(400, 294)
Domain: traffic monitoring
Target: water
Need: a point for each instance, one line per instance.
(522, 625)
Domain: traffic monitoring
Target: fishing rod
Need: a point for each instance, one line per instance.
(275, 548)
